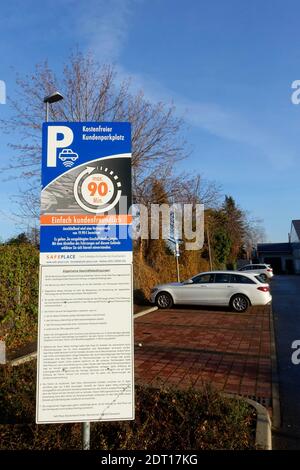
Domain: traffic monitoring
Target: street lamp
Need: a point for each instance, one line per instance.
(53, 98)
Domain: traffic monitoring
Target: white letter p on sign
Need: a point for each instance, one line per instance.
(53, 143)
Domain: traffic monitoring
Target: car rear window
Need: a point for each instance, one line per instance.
(260, 278)
(238, 279)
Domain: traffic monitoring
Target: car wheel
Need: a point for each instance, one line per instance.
(164, 300)
(239, 303)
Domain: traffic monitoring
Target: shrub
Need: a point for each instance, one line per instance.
(19, 267)
(166, 418)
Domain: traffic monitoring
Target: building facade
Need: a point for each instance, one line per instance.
(284, 257)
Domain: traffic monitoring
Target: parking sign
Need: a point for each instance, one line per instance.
(85, 347)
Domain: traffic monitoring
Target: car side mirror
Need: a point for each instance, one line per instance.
(189, 281)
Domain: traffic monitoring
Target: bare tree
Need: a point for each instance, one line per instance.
(254, 234)
(181, 188)
(92, 92)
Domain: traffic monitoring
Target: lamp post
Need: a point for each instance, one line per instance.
(209, 247)
(53, 98)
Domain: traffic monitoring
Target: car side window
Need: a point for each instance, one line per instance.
(222, 278)
(236, 278)
(203, 279)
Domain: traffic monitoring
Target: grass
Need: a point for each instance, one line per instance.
(166, 418)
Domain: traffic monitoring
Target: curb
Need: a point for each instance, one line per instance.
(276, 417)
(263, 432)
(22, 359)
(144, 312)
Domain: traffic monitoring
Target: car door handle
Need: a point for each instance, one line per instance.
(229, 286)
(202, 285)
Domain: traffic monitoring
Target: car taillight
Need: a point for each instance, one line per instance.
(264, 289)
(269, 270)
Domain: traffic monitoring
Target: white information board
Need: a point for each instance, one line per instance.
(85, 350)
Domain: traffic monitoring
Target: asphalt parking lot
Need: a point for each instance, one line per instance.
(187, 346)
(286, 309)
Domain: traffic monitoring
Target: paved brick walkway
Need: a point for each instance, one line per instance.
(185, 346)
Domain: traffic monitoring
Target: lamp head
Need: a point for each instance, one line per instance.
(56, 96)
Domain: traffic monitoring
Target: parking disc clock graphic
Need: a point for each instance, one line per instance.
(97, 189)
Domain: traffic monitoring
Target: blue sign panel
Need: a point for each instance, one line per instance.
(86, 187)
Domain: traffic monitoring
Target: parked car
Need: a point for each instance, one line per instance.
(264, 269)
(224, 288)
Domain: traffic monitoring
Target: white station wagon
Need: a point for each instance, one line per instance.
(223, 288)
(264, 269)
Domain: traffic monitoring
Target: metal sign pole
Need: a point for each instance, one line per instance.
(177, 254)
(177, 266)
(86, 435)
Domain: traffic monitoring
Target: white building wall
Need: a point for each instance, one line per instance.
(293, 235)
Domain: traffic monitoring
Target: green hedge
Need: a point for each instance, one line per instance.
(19, 268)
(165, 419)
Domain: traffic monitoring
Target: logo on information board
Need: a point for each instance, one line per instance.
(97, 189)
(68, 157)
(59, 137)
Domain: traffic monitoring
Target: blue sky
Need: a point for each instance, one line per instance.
(227, 65)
